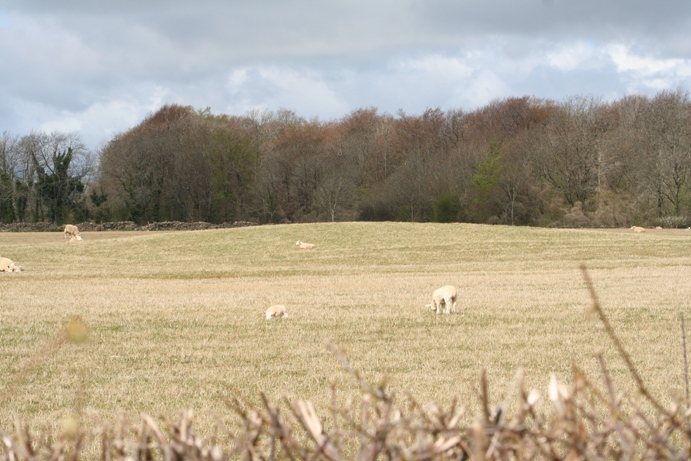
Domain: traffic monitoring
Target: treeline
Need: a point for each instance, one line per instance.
(44, 177)
(523, 161)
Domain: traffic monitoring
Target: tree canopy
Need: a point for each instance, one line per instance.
(524, 161)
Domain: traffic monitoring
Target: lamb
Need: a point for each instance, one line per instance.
(72, 231)
(7, 265)
(305, 246)
(445, 295)
(637, 229)
(275, 312)
(75, 238)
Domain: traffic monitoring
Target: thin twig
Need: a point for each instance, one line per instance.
(620, 348)
(686, 364)
(614, 407)
(484, 395)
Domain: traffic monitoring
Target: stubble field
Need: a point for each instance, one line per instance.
(175, 317)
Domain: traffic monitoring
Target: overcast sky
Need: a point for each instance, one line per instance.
(99, 67)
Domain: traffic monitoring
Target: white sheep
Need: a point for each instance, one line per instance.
(275, 312)
(305, 246)
(445, 296)
(7, 265)
(72, 231)
(75, 238)
(637, 229)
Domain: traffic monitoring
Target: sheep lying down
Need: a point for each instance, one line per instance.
(637, 229)
(7, 265)
(275, 312)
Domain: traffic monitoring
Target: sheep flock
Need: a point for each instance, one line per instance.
(443, 299)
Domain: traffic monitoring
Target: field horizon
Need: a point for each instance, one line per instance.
(175, 317)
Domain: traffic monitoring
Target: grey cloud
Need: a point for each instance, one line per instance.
(276, 29)
(605, 20)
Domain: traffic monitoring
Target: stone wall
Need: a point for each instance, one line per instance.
(120, 226)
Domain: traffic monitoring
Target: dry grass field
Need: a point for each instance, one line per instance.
(175, 317)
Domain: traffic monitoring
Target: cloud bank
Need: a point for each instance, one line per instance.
(99, 69)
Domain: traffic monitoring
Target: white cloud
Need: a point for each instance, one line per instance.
(447, 69)
(645, 73)
(305, 91)
(101, 120)
(483, 88)
(236, 79)
(628, 61)
(570, 56)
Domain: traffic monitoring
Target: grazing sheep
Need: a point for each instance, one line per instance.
(637, 229)
(71, 230)
(305, 246)
(275, 312)
(446, 296)
(7, 265)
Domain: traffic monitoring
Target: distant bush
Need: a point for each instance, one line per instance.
(576, 217)
(675, 222)
(447, 208)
